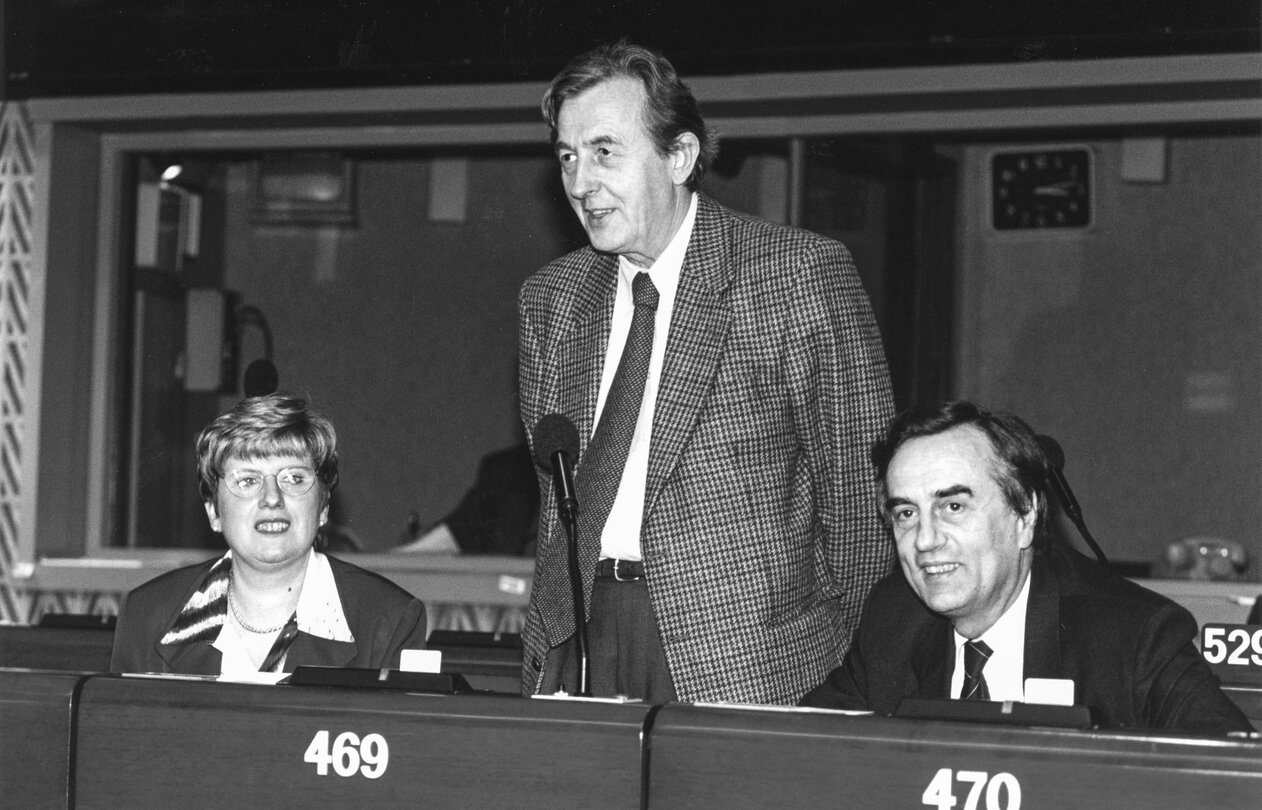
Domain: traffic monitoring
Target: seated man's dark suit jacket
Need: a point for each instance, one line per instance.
(1128, 650)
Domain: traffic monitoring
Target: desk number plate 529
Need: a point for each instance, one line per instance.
(1234, 651)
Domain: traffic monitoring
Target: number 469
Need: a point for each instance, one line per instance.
(349, 755)
(940, 794)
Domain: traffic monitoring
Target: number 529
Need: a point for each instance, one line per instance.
(1233, 645)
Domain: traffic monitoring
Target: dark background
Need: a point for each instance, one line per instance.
(87, 47)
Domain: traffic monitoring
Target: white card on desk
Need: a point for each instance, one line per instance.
(421, 660)
(1049, 691)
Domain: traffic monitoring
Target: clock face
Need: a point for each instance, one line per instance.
(1048, 188)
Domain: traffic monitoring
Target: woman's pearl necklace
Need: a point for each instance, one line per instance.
(232, 604)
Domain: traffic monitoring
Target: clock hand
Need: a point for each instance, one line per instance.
(1060, 189)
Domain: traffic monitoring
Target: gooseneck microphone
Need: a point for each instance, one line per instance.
(556, 445)
(556, 448)
(1056, 477)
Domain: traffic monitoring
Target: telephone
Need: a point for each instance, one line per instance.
(1205, 558)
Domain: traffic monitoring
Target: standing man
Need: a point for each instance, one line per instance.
(983, 602)
(726, 378)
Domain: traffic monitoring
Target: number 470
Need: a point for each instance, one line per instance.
(940, 794)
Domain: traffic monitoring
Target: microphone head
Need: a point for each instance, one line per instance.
(552, 433)
(261, 378)
(1051, 449)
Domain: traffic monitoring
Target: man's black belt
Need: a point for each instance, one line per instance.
(620, 570)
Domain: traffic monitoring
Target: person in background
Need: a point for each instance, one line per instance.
(498, 515)
(726, 378)
(982, 603)
(272, 602)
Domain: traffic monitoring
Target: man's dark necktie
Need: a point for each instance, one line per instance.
(601, 469)
(976, 653)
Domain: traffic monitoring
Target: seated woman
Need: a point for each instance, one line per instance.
(272, 602)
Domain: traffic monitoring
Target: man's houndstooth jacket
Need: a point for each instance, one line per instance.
(761, 536)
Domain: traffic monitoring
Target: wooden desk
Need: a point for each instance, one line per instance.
(35, 721)
(170, 743)
(736, 758)
(148, 742)
(59, 648)
(1249, 699)
(1210, 602)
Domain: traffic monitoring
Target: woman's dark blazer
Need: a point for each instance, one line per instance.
(383, 618)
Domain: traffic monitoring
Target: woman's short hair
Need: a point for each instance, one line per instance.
(264, 427)
(1022, 471)
(670, 109)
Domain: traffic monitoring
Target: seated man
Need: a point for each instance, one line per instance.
(982, 602)
(499, 515)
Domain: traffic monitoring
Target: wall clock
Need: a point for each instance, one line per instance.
(1041, 188)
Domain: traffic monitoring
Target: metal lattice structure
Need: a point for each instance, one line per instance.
(17, 188)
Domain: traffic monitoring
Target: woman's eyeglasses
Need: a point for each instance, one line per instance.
(292, 481)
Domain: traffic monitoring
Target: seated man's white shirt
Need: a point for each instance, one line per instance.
(1005, 670)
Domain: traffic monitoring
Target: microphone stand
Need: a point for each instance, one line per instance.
(567, 507)
(1074, 511)
(1060, 485)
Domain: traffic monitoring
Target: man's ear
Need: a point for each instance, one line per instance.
(1028, 521)
(212, 513)
(683, 157)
